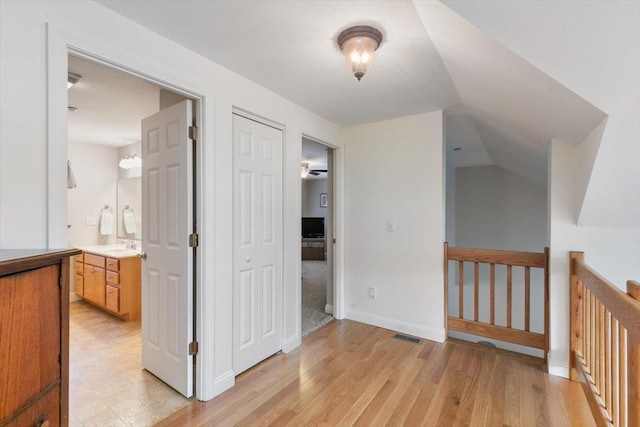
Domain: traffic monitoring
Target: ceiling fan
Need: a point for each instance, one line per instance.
(306, 171)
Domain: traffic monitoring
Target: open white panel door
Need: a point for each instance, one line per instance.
(167, 271)
(257, 242)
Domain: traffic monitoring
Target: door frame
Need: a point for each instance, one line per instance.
(61, 44)
(336, 205)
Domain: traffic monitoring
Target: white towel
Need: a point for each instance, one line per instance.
(129, 220)
(106, 223)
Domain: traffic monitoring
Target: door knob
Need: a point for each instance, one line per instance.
(142, 255)
(247, 258)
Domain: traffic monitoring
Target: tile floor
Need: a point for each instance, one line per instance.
(107, 385)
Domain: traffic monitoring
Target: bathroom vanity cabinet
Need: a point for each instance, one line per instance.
(109, 281)
(34, 337)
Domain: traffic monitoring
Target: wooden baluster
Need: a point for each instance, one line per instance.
(492, 280)
(527, 299)
(601, 359)
(509, 296)
(615, 373)
(607, 361)
(578, 314)
(461, 289)
(587, 329)
(476, 291)
(633, 359)
(622, 352)
(594, 336)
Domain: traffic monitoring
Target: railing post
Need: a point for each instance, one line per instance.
(633, 360)
(575, 316)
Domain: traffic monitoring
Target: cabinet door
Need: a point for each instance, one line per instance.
(113, 298)
(94, 284)
(79, 285)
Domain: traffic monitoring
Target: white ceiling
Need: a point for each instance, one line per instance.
(499, 109)
(110, 105)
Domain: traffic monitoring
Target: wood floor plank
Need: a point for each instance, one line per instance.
(347, 373)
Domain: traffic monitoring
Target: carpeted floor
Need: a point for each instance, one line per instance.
(314, 295)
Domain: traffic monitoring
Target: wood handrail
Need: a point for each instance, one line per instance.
(626, 310)
(605, 344)
(490, 256)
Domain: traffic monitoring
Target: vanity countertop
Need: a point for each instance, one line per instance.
(112, 251)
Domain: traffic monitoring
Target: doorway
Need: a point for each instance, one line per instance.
(106, 201)
(317, 235)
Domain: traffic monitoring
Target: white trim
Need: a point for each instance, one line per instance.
(559, 370)
(61, 43)
(414, 329)
(328, 308)
(224, 382)
(291, 343)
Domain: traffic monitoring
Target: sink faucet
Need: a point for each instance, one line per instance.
(130, 244)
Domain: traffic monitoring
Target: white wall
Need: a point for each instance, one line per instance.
(499, 210)
(613, 252)
(24, 137)
(95, 170)
(311, 198)
(395, 173)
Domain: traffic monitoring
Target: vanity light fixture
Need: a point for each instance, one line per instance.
(131, 162)
(72, 79)
(358, 44)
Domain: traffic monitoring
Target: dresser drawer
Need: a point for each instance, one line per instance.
(113, 264)
(113, 277)
(79, 267)
(79, 258)
(113, 298)
(96, 260)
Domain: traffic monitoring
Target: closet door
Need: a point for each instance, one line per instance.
(257, 240)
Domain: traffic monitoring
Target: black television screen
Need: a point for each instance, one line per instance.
(312, 227)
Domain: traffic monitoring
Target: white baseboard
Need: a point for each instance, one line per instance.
(414, 329)
(328, 308)
(223, 383)
(74, 297)
(291, 343)
(559, 370)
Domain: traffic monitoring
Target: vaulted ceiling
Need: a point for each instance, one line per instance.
(499, 108)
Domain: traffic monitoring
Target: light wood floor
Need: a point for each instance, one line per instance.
(347, 373)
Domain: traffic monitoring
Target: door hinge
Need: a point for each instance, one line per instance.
(193, 132)
(60, 281)
(193, 240)
(193, 348)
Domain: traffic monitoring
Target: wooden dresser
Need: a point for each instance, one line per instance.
(34, 337)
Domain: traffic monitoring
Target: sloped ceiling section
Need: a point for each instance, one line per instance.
(516, 108)
(593, 48)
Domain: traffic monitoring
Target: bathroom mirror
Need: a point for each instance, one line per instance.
(130, 208)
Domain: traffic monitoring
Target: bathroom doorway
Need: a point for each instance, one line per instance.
(317, 235)
(108, 384)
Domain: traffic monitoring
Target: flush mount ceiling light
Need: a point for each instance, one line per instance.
(72, 79)
(358, 44)
(130, 162)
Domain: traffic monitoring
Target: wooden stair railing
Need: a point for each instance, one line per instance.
(510, 259)
(605, 344)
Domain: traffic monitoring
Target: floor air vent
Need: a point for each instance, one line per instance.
(406, 338)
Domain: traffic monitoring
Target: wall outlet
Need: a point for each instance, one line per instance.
(371, 291)
(391, 226)
(92, 220)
